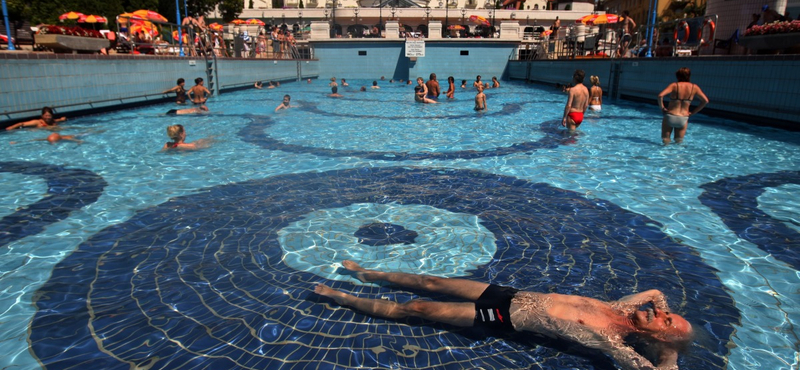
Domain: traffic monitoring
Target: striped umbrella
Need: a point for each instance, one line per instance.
(238, 21)
(255, 21)
(216, 26)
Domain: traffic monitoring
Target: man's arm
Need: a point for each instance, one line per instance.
(627, 359)
(632, 302)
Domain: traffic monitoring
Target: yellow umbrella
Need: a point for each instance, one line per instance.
(598, 19)
(150, 15)
(70, 16)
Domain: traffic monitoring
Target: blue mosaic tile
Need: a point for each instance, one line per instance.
(255, 133)
(178, 289)
(735, 201)
(68, 190)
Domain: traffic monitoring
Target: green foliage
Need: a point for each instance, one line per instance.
(230, 9)
(47, 11)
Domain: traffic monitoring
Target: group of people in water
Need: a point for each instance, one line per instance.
(589, 322)
(675, 120)
(675, 114)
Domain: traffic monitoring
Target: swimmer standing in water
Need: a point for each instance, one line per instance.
(421, 92)
(480, 99)
(676, 114)
(451, 88)
(595, 94)
(577, 102)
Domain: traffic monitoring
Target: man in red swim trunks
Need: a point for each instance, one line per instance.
(577, 102)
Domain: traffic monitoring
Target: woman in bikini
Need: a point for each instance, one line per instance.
(46, 121)
(451, 87)
(676, 114)
(595, 95)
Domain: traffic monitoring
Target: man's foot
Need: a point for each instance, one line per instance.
(361, 273)
(326, 291)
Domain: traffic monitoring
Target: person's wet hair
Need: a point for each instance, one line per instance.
(683, 75)
(579, 75)
(595, 80)
(198, 80)
(174, 132)
(47, 110)
(181, 80)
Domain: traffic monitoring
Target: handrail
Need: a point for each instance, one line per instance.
(55, 107)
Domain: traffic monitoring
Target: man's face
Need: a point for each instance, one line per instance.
(661, 324)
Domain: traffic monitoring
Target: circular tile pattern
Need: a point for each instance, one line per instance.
(201, 280)
(735, 200)
(430, 240)
(381, 233)
(256, 133)
(68, 190)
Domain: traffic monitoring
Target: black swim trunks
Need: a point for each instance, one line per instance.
(492, 308)
(172, 112)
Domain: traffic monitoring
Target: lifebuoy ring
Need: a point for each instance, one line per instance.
(709, 23)
(685, 33)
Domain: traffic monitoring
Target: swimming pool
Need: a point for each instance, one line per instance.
(116, 255)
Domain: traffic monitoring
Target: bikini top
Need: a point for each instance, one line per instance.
(675, 92)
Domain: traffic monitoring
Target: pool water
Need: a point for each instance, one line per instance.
(116, 255)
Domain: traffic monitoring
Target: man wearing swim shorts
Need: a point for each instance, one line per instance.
(589, 322)
(576, 103)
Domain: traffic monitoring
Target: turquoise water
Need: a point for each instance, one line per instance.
(616, 159)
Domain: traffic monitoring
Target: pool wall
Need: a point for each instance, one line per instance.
(371, 60)
(80, 84)
(757, 89)
(754, 89)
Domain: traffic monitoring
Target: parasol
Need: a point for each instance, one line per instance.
(92, 19)
(238, 21)
(255, 21)
(596, 19)
(150, 15)
(479, 20)
(215, 26)
(70, 16)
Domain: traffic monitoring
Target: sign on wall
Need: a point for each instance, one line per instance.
(415, 48)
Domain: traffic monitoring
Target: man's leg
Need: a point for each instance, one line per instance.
(463, 288)
(459, 314)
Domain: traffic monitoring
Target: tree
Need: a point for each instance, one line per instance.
(230, 9)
